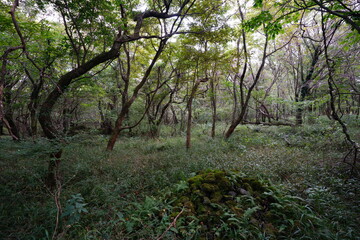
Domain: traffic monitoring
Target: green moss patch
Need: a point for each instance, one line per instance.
(223, 205)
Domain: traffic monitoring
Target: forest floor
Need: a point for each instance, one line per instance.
(304, 161)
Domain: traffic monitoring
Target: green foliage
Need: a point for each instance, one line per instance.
(258, 3)
(224, 205)
(124, 190)
(74, 208)
(255, 22)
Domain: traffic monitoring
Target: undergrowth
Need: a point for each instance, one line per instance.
(108, 195)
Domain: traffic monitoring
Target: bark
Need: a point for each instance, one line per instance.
(189, 107)
(12, 131)
(117, 128)
(53, 168)
(105, 125)
(9, 114)
(34, 100)
(175, 119)
(305, 86)
(213, 106)
(235, 99)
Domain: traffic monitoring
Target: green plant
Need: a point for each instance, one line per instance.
(74, 208)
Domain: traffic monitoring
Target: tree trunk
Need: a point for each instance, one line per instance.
(231, 129)
(117, 129)
(188, 124)
(299, 114)
(1, 128)
(9, 115)
(105, 125)
(34, 102)
(245, 103)
(213, 105)
(127, 105)
(189, 107)
(53, 170)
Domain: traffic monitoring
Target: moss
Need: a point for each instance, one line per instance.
(209, 178)
(217, 197)
(196, 180)
(209, 188)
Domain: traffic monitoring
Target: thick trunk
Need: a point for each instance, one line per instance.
(213, 127)
(34, 104)
(9, 115)
(117, 129)
(47, 107)
(14, 129)
(105, 125)
(33, 122)
(231, 129)
(305, 87)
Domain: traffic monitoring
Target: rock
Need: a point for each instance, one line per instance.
(232, 193)
(243, 192)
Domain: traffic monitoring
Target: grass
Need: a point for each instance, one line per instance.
(127, 182)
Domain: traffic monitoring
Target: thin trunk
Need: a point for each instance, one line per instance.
(236, 104)
(245, 104)
(189, 107)
(174, 117)
(127, 105)
(332, 85)
(188, 124)
(213, 105)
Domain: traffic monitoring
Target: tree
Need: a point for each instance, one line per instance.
(86, 27)
(271, 27)
(328, 31)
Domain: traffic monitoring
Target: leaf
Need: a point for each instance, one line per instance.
(250, 211)
(174, 230)
(258, 3)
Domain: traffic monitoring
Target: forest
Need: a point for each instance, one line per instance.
(179, 119)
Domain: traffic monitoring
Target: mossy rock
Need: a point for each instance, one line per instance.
(223, 205)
